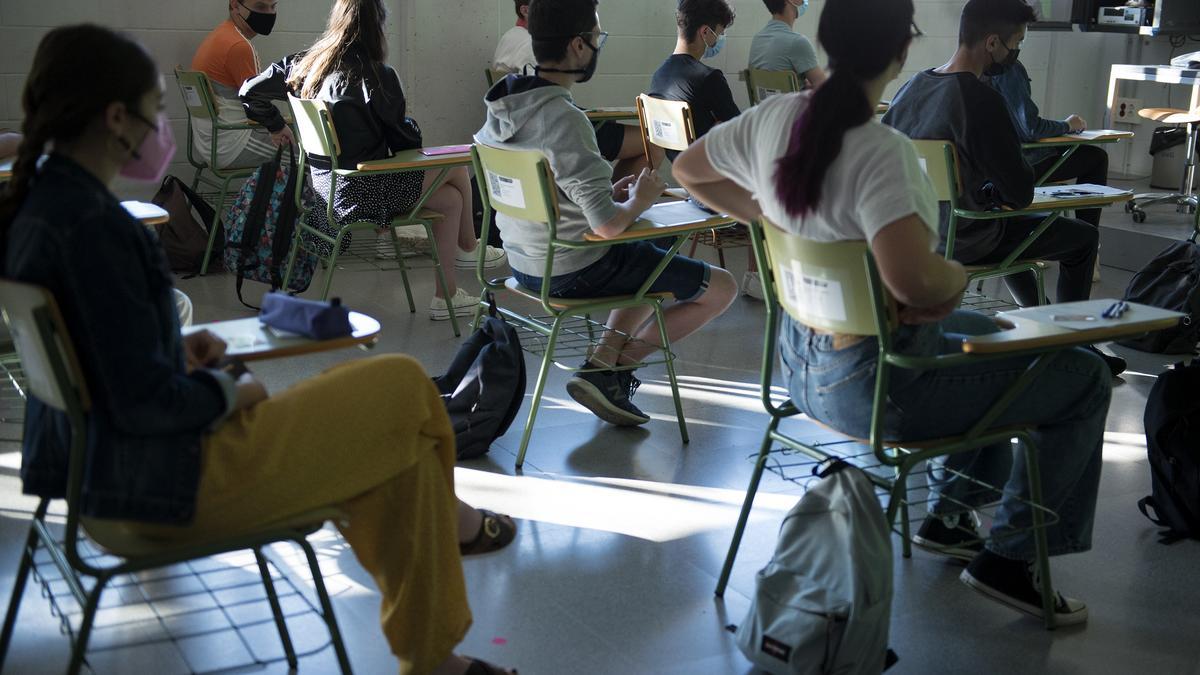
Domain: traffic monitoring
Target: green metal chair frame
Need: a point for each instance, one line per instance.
(317, 136)
(55, 378)
(869, 312)
(762, 84)
(540, 199)
(198, 100)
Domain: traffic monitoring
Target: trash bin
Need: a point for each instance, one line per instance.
(1166, 146)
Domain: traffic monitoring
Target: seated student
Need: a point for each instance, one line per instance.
(536, 112)
(1088, 164)
(9, 142)
(951, 103)
(178, 448)
(228, 59)
(346, 67)
(818, 164)
(515, 50)
(778, 47)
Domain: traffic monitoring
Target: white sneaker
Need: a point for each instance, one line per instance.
(492, 257)
(384, 249)
(752, 285)
(464, 305)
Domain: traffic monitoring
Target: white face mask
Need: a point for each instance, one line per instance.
(715, 48)
(800, 8)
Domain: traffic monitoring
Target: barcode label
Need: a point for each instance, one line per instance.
(192, 97)
(815, 296)
(665, 131)
(505, 190)
(765, 93)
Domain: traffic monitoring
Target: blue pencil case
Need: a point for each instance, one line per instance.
(313, 319)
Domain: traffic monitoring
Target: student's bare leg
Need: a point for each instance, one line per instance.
(460, 180)
(448, 201)
(632, 157)
(682, 319)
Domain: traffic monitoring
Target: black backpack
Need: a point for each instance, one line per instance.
(484, 386)
(1170, 281)
(1173, 443)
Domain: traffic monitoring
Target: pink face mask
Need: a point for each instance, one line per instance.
(150, 161)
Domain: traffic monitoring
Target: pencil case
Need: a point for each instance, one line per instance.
(313, 319)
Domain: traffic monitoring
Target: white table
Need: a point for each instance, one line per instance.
(1188, 77)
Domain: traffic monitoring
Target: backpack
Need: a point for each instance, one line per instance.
(1170, 281)
(484, 386)
(262, 224)
(184, 236)
(823, 603)
(1173, 445)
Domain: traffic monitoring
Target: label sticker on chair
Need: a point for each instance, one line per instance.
(924, 165)
(192, 97)
(665, 131)
(822, 298)
(764, 93)
(505, 190)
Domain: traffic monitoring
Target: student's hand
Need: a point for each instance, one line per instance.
(648, 188)
(1076, 123)
(203, 349)
(621, 188)
(250, 392)
(283, 137)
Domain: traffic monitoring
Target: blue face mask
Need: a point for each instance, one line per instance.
(712, 50)
(801, 8)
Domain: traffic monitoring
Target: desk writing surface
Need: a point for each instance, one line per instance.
(251, 340)
(1084, 137)
(1044, 199)
(149, 214)
(413, 159)
(611, 114)
(668, 219)
(1036, 327)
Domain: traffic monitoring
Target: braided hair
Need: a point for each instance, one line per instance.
(77, 72)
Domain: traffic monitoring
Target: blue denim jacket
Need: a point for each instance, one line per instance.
(1013, 85)
(111, 280)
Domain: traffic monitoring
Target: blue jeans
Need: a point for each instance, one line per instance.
(1067, 404)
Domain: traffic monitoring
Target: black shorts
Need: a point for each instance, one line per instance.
(610, 136)
(623, 270)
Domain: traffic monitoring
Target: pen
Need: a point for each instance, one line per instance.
(1115, 310)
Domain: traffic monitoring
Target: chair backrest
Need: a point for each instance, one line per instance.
(41, 341)
(763, 84)
(493, 76)
(939, 159)
(667, 124)
(826, 285)
(314, 128)
(517, 183)
(197, 93)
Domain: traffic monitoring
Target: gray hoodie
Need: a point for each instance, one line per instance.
(529, 113)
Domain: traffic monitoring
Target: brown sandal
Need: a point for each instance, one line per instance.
(481, 667)
(495, 532)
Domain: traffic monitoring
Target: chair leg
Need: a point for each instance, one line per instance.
(333, 256)
(720, 252)
(1039, 276)
(335, 635)
(212, 227)
(14, 602)
(543, 372)
(412, 306)
(1039, 532)
(900, 498)
(79, 650)
(276, 611)
(297, 238)
(747, 504)
(666, 342)
(441, 278)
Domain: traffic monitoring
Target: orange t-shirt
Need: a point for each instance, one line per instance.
(226, 57)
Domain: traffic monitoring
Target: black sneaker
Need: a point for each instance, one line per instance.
(1014, 583)
(1116, 365)
(606, 393)
(958, 539)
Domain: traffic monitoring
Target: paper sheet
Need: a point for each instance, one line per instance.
(1081, 191)
(675, 213)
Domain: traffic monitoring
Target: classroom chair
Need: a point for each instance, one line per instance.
(566, 329)
(940, 161)
(669, 125)
(317, 136)
(199, 101)
(54, 377)
(762, 84)
(870, 312)
(1186, 199)
(493, 76)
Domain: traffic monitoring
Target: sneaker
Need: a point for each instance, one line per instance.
(949, 536)
(1116, 365)
(607, 394)
(1014, 583)
(464, 305)
(492, 257)
(384, 249)
(752, 286)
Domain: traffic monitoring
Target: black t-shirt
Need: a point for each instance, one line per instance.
(683, 78)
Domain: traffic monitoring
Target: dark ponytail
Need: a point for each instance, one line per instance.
(77, 72)
(859, 51)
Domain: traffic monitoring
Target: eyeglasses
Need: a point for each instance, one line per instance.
(916, 32)
(601, 38)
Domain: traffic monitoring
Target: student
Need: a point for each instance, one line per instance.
(346, 67)
(178, 448)
(536, 112)
(228, 59)
(1088, 164)
(778, 47)
(819, 165)
(515, 50)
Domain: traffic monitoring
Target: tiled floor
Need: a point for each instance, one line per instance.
(623, 533)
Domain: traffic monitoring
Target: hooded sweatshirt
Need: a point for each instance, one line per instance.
(530, 113)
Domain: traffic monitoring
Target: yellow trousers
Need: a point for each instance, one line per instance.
(371, 437)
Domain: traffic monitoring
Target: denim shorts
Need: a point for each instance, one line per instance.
(623, 270)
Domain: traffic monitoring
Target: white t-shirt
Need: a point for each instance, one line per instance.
(876, 179)
(514, 51)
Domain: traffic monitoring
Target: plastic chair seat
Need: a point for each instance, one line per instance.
(972, 269)
(1176, 116)
(563, 304)
(116, 537)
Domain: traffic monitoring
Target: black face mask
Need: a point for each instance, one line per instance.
(584, 73)
(1000, 67)
(260, 22)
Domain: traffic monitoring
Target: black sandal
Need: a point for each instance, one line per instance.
(495, 532)
(481, 667)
